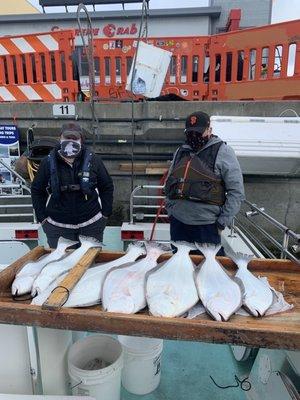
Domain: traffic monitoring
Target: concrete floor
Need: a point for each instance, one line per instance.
(186, 370)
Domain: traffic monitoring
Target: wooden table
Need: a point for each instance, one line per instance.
(281, 331)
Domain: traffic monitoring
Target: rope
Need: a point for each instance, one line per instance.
(244, 384)
(66, 289)
(89, 50)
(143, 32)
(32, 168)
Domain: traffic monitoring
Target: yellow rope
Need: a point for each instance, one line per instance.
(32, 169)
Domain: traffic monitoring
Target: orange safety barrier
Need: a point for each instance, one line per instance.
(251, 64)
(257, 63)
(113, 59)
(37, 67)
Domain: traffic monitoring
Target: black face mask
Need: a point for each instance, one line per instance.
(70, 148)
(195, 140)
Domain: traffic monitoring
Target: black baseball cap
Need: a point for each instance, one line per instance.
(197, 122)
(72, 129)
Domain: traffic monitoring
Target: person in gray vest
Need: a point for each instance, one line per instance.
(204, 187)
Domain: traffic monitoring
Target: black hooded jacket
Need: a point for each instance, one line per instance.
(72, 207)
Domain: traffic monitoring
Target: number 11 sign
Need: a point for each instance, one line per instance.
(64, 110)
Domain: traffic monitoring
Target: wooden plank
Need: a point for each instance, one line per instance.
(142, 166)
(7, 276)
(156, 171)
(60, 295)
(281, 331)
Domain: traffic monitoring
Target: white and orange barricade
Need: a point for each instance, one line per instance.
(250, 64)
(37, 67)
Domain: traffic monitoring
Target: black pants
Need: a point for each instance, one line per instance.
(53, 232)
(195, 233)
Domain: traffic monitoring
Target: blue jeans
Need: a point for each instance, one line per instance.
(195, 233)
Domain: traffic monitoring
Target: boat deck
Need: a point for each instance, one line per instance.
(280, 331)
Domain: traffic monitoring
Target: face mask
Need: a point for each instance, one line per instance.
(195, 140)
(70, 148)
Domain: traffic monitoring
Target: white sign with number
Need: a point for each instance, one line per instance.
(64, 110)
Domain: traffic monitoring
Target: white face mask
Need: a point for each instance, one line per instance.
(70, 148)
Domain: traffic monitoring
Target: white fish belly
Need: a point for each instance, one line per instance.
(171, 290)
(220, 295)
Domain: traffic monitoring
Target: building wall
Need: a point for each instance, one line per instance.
(163, 26)
(254, 13)
(16, 7)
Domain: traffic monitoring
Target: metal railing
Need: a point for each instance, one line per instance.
(287, 234)
(247, 235)
(140, 216)
(22, 186)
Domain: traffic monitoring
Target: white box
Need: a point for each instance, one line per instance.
(151, 67)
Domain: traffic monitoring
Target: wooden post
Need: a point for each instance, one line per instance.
(7, 276)
(60, 294)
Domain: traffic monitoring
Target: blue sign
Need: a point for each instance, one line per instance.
(9, 135)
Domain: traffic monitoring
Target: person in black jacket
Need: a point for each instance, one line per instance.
(72, 192)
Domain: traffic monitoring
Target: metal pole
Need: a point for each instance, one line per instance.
(91, 63)
(285, 245)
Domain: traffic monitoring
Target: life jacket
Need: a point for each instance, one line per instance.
(85, 184)
(193, 178)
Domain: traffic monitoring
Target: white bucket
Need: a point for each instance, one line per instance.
(142, 362)
(102, 383)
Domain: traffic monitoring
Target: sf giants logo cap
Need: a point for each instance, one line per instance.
(197, 122)
(193, 120)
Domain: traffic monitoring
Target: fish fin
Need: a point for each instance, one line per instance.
(241, 285)
(66, 242)
(213, 314)
(208, 248)
(240, 259)
(89, 239)
(181, 244)
(162, 247)
(139, 245)
(251, 311)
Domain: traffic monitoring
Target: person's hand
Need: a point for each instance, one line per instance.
(220, 228)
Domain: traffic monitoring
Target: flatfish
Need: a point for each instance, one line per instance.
(171, 289)
(57, 268)
(257, 295)
(88, 290)
(124, 287)
(220, 294)
(24, 279)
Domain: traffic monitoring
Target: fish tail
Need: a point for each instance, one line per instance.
(137, 246)
(158, 246)
(240, 259)
(208, 249)
(90, 240)
(180, 245)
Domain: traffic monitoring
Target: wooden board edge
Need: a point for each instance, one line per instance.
(96, 321)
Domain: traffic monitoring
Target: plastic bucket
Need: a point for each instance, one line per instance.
(94, 365)
(142, 364)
